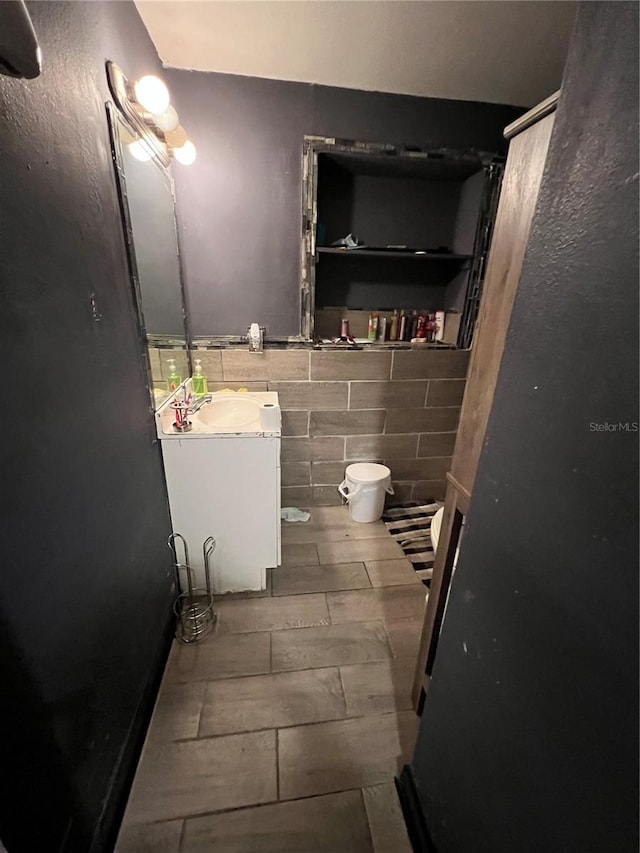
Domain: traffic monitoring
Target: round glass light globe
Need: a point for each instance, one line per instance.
(139, 150)
(186, 154)
(168, 120)
(152, 94)
(176, 138)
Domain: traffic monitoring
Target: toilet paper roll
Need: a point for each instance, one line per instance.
(270, 417)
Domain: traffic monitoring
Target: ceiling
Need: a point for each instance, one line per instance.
(500, 52)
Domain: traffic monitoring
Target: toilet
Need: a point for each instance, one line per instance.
(436, 526)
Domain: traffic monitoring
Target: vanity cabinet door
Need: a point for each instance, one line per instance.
(228, 488)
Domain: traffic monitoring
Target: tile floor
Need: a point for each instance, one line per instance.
(283, 731)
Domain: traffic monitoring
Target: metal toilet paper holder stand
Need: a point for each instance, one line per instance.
(193, 607)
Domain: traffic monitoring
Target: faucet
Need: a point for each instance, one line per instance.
(199, 403)
(255, 335)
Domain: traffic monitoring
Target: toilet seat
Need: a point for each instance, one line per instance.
(436, 526)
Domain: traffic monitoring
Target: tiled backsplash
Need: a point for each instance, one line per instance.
(160, 369)
(399, 407)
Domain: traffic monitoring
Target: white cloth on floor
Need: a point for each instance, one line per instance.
(292, 513)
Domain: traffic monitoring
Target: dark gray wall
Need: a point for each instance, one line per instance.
(239, 204)
(471, 195)
(403, 211)
(528, 740)
(85, 585)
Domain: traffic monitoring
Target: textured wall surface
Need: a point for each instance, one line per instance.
(85, 584)
(239, 204)
(529, 737)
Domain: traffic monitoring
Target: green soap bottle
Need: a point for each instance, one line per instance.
(199, 380)
(173, 379)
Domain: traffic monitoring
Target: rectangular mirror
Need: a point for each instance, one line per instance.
(148, 215)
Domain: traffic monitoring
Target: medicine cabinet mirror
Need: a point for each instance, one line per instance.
(147, 206)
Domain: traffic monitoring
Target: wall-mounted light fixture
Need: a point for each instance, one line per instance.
(152, 95)
(146, 104)
(20, 54)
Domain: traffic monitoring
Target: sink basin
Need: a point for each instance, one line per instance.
(229, 412)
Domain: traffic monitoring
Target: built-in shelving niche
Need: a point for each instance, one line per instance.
(423, 218)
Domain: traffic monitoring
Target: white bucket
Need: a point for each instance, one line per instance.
(364, 487)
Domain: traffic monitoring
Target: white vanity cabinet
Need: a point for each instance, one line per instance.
(226, 485)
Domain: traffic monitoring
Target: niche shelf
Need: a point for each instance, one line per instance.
(399, 254)
(389, 197)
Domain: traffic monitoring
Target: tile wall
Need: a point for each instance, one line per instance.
(160, 369)
(398, 407)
